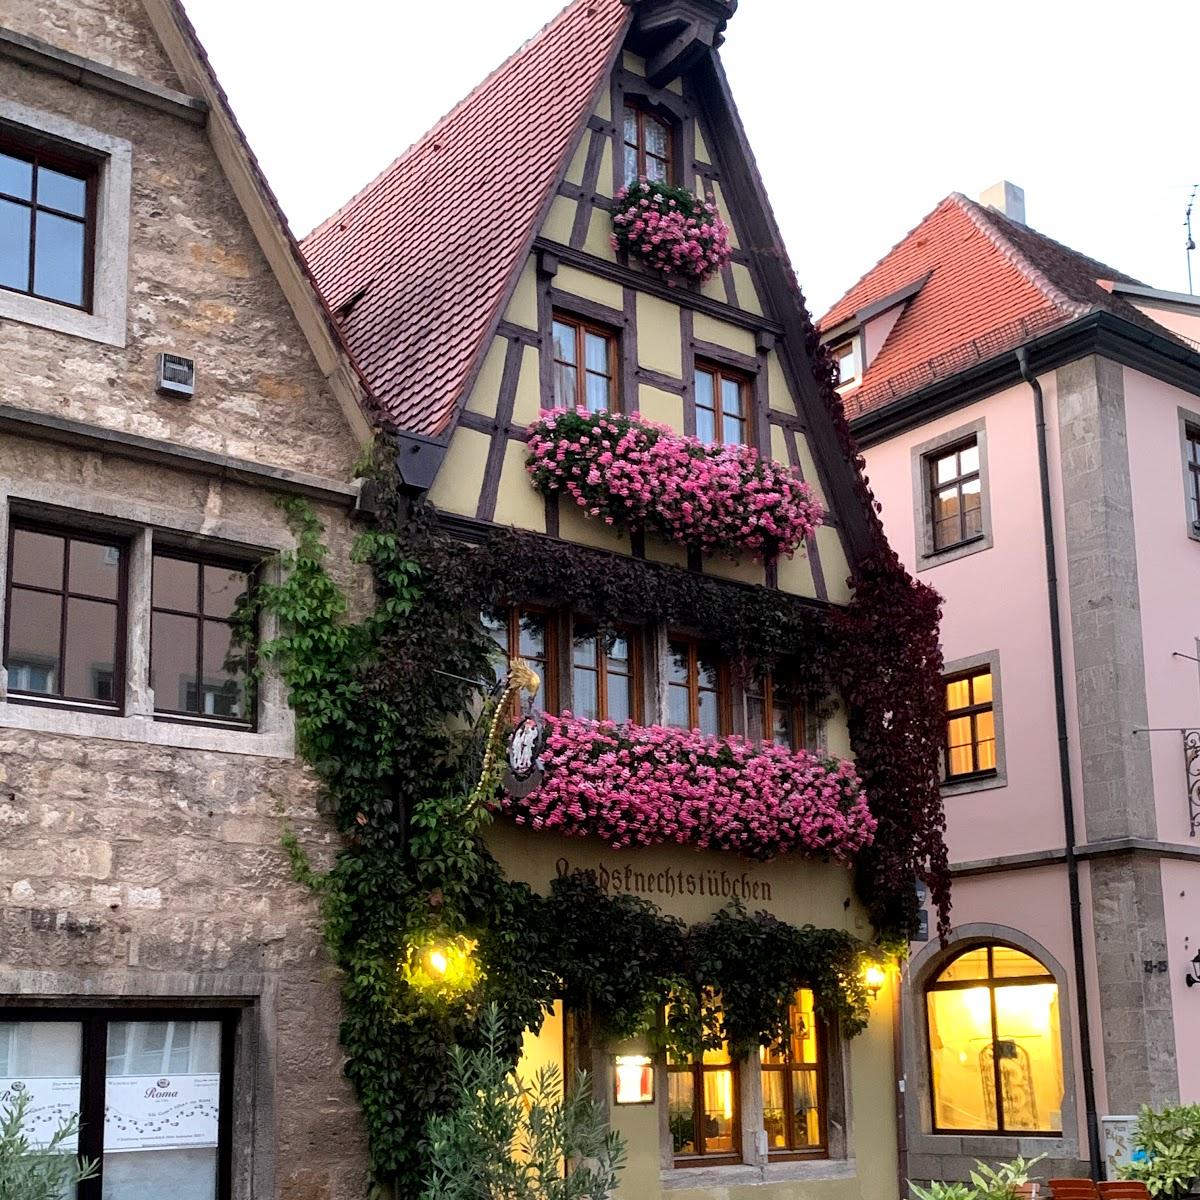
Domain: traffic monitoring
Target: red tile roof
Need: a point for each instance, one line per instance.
(432, 246)
(993, 283)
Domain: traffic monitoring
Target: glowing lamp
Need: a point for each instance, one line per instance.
(633, 1076)
(1193, 976)
(442, 965)
(874, 977)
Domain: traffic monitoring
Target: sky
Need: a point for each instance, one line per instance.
(862, 116)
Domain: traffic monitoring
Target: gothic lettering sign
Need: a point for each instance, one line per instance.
(716, 883)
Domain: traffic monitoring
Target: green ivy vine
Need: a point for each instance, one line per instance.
(388, 716)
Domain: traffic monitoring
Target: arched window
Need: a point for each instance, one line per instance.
(995, 1047)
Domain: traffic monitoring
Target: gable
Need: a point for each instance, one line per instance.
(660, 335)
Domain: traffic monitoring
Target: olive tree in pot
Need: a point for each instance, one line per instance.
(1166, 1156)
(32, 1171)
(508, 1139)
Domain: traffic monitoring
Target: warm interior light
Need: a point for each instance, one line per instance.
(634, 1075)
(442, 965)
(874, 977)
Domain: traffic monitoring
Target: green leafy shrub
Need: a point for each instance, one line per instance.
(1001, 1182)
(29, 1172)
(1167, 1155)
(508, 1139)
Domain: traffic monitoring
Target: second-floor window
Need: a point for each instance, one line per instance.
(46, 225)
(585, 365)
(195, 669)
(970, 725)
(604, 677)
(773, 714)
(648, 138)
(528, 633)
(1192, 435)
(956, 494)
(722, 406)
(695, 687)
(65, 621)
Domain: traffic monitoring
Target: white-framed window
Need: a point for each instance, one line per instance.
(849, 361)
(64, 224)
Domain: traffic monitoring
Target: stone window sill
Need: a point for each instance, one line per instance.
(747, 1175)
(267, 743)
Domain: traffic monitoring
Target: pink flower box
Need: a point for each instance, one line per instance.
(633, 785)
(675, 233)
(634, 473)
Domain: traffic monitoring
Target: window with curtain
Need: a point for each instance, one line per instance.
(648, 145)
(793, 1085)
(702, 1107)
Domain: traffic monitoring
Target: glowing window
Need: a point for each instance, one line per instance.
(702, 1106)
(970, 725)
(793, 1085)
(995, 1048)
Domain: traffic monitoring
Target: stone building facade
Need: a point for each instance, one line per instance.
(150, 924)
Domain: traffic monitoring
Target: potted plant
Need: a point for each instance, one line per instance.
(29, 1171)
(670, 230)
(1166, 1156)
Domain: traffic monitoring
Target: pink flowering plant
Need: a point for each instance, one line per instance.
(633, 473)
(675, 233)
(631, 785)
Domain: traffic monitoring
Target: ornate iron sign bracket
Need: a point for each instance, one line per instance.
(1191, 754)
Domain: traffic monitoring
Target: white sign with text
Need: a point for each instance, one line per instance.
(159, 1112)
(51, 1102)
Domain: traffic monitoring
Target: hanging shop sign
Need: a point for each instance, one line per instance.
(523, 771)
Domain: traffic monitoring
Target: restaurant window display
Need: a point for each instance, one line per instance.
(793, 1085)
(703, 1107)
(150, 1091)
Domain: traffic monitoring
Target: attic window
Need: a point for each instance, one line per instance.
(648, 145)
(846, 355)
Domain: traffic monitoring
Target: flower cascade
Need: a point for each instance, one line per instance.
(632, 785)
(632, 472)
(675, 233)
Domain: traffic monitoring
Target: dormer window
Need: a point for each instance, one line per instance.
(648, 145)
(845, 354)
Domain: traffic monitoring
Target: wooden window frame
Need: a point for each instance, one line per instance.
(991, 982)
(161, 712)
(83, 168)
(582, 327)
(763, 689)
(723, 692)
(512, 614)
(60, 699)
(636, 676)
(645, 112)
(697, 1070)
(93, 1072)
(957, 482)
(973, 711)
(745, 385)
(794, 1153)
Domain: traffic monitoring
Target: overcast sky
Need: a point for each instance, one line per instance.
(862, 116)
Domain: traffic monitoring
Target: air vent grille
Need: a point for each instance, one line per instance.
(176, 375)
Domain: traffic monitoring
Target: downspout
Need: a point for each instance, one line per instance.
(1064, 771)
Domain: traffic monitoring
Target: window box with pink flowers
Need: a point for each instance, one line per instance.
(676, 234)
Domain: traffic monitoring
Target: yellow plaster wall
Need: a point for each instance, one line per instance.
(726, 215)
(516, 502)
(592, 287)
(522, 308)
(486, 392)
(659, 336)
(779, 395)
(664, 407)
(457, 486)
(575, 170)
(746, 291)
(666, 552)
(702, 154)
(527, 403)
(560, 220)
(590, 531)
(598, 235)
(604, 181)
(604, 105)
(795, 575)
(708, 329)
(634, 62)
(834, 565)
(747, 569)
(545, 1048)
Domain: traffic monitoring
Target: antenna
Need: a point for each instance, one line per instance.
(1190, 245)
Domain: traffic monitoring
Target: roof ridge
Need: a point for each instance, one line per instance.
(883, 258)
(979, 217)
(444, 119)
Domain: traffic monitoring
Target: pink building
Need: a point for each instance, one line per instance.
(1031, 424)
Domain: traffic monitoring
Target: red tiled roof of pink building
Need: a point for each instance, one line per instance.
(992, 284)
(432, 244)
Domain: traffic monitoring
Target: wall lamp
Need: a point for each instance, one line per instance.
(874, 977)
(1193, 976)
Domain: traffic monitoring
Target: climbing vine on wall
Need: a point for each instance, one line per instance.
(387, 716)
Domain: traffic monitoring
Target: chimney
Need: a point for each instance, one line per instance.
(1005, 198)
